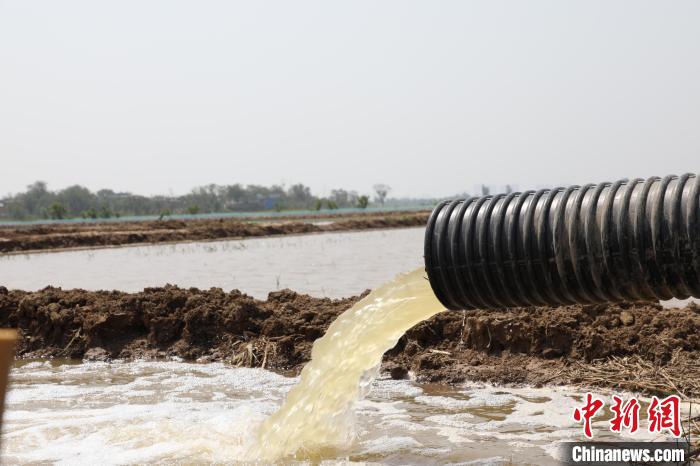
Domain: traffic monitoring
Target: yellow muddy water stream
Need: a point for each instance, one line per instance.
(317, 415)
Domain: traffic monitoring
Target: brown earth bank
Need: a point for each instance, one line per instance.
(641, 347)
(81, 235)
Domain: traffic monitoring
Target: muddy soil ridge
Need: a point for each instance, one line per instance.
(85, 235)
(641, 347)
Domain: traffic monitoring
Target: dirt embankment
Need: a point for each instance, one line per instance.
(81, 235)
(633, 346)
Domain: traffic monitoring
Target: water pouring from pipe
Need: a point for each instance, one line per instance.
(629, 240)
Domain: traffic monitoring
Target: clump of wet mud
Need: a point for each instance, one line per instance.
(85, 235)
(641, 346)
(169, 321)
(565, 345)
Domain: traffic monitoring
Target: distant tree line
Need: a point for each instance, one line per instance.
(77, 201)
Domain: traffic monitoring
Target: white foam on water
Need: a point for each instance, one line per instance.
(96, 413)
(165, 412)
(442, 402)
(477, 399)
(390, 389)
(493, 461)
(390, 444)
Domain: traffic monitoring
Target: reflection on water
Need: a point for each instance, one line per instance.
(165, 412)
(328, 264)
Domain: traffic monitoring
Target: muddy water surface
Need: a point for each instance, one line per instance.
(327, 264)
(165, 412)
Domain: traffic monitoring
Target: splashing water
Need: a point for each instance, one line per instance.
(317, 415)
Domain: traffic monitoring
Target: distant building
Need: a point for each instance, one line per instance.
(271, 202)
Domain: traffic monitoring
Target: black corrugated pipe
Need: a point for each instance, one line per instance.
(624, 241)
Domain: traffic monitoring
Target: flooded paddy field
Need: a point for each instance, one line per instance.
(335, 265)
(82, 234)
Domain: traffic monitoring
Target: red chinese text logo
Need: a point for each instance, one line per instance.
(587, 412)
(625, 415)
(663, 415)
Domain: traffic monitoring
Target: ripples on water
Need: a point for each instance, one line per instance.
(330, 264)
(162, 412)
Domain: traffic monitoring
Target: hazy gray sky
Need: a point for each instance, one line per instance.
(430, 97)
